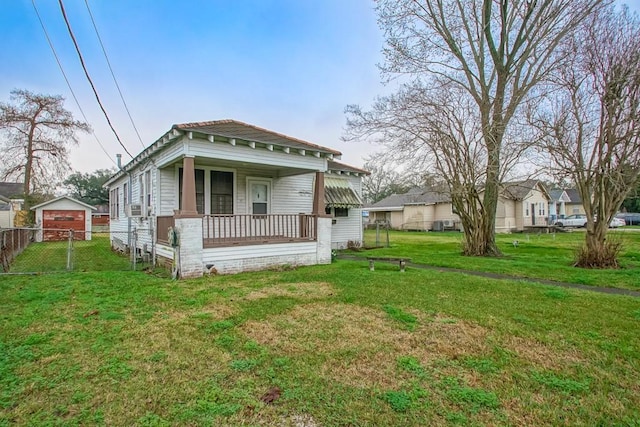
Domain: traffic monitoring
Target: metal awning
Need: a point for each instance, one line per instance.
(338, 193)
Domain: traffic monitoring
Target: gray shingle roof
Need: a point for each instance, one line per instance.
(518, 190)
(412, 197)
(574, 195)
(9, 189)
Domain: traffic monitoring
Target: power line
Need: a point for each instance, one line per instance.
(86, 73)
(73, 94)
(86, 2)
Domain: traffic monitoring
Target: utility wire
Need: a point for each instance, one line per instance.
(104, 51)
(73, 94)
(86, 73)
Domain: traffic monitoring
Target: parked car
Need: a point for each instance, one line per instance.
(630, 218)
(617, 222)
(576, 220)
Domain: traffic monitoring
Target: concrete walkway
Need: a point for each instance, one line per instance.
(611, 291)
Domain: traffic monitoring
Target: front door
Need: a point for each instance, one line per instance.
(259, 197)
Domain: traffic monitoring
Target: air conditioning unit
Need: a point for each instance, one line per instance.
(447, 223)
(134, 211)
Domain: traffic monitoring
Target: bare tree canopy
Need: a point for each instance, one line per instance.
(388, 176)
(591, 127)
(37, 133)
(473, 63)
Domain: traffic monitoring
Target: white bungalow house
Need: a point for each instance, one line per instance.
(521, 204)
(239, 197)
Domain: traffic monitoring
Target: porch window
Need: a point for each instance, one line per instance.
(199, 176)
(221, 192)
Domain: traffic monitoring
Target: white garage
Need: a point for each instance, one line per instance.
(56, 217)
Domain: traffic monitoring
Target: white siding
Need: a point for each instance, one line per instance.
(119, 224)
(259, 257)
(167, 201)
(293, 194)
(226, 151)
(348, 228)
(171, 154)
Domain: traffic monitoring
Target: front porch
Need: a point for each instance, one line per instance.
(246, 229)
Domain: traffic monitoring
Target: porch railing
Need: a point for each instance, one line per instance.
(162, 227)
(228, 230)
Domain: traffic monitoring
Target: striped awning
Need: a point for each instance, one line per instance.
(338, 193)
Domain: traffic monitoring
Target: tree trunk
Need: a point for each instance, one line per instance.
(598, 251)
(28, 167)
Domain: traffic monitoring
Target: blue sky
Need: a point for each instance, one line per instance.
(289, 65)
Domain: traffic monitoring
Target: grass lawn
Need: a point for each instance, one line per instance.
(331, 345)
(543, 256)
(86, 255)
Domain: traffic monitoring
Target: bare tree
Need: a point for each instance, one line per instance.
(438, 130)
(38, 130)
(591, 129)
(388, 176)
(495, 52)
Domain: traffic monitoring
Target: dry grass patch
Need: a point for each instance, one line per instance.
(365, 342)
(307, 291)
(542, 355)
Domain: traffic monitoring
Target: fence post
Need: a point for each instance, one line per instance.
(153, 246)
(133, 248)
(70, 251)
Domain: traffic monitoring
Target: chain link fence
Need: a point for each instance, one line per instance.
(29, 250)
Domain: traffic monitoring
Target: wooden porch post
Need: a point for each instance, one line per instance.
(318, 195)
(188, 207)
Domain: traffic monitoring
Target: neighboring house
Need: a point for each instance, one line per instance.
(240, 198)
(520, 204)
(6, 212)
(558, 199)
(100, 218)
(11, 202)
(574, 205)
(56, 217)
(343, 187)
(415, 210)
(564, 202)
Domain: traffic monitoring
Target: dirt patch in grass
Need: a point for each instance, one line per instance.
(311, 290)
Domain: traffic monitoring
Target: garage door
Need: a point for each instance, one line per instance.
(53, 220)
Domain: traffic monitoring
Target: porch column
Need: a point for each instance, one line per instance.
(188, 207)
(188, 224)
(318, 195)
